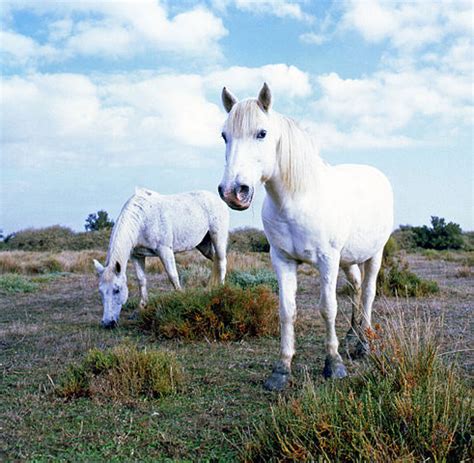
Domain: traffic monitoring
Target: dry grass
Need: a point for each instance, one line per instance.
(30, 262)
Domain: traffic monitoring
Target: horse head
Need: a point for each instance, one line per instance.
(113, 290)
(251, 141)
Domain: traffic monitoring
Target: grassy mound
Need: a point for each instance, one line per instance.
(255, 277)
(221, 314)
(407, 406)
(121, 373)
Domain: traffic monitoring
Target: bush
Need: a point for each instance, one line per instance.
(13, 284)
(253, 278)
(440, 235)
(56, 238)
(248, 240)
(122, 373)
(395, 278)
(221, 314)
(406, 406)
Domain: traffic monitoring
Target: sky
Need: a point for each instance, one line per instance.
(98, 97)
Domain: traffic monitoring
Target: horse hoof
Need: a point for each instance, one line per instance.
(279, 378)
(334, 369)
(109, 324)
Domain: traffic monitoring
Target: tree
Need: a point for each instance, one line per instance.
(98, 221)
(440, 235)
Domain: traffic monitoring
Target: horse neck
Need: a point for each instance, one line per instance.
(298, 166)
(125, 233)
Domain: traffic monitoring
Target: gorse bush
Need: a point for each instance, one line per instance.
(407, 406)
(253, 278)
(122, 373)
(220, 314)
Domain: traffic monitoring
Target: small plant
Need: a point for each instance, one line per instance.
(407, 406)
(395, 278)
(253, 278)
(221, 314)
(248, 240)
(12, 284)
(122, 373)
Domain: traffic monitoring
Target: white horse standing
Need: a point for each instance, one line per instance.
(151, 224)
(327, 216)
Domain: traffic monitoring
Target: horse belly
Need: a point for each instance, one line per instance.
(189, 230)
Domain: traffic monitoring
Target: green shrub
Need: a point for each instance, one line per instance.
(248, 240)
(99, 221)
(440, 235)
(395, 278)
(406, 406)
(122, 373)
(221, 314)
(253, 278)
(56, 238)
(11, 283)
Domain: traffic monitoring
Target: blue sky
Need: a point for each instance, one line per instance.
(100, 97)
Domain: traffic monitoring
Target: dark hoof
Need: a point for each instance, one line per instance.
(108, 325)
(279, 378)
(334, 369)
(356, 345)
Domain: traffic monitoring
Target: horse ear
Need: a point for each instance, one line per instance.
(228, 100)
(118, 267)
(265, 98)
(99, 267)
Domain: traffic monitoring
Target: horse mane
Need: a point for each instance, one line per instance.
(297, 153)
(127, 228)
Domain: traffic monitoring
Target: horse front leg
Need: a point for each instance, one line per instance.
(139, 264)
(333, 366)
(166, 256)
(287, 283)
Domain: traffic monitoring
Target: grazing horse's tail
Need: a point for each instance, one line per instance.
(215, 278)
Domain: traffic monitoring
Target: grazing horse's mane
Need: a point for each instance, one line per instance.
(297, 153)
(127, 228)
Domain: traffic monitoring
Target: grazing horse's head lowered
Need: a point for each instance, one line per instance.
(113, 290)
(250, 147)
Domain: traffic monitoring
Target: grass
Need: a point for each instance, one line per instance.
(222, 314)
(122, 373)
(407, 406)
(222, 398)
(14, 284)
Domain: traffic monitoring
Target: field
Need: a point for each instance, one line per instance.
(50, 318)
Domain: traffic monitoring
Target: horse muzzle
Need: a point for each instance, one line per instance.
(239, 197)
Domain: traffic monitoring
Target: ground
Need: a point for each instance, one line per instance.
(43, 331)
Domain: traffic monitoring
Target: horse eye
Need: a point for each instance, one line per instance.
(224, 137)
(116, 290)
(262, 134)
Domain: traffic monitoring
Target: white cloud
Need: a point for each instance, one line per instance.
(278, 8)
(313, 38)
(408, 25)
(21, 50)
(126, 28)
(288, 81)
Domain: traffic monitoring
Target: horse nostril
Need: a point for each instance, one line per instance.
(220, 189)
(242, 191)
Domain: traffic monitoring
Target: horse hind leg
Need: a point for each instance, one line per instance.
(219, 266)
(354, 278)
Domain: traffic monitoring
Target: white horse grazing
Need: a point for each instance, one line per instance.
(151, 224)
(327, 216)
